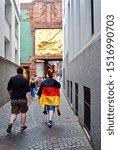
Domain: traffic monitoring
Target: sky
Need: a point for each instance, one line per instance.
(24, 1)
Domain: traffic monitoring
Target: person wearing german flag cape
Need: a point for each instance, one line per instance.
(49, 95)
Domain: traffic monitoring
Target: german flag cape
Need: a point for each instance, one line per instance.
(50, 96)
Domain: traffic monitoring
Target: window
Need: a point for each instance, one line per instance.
(71, 92)
(16, 27)
(68, 88)
(76, 99)
(16, 56)
(8, 11)
(7, 48)
(64, 78)
(87, 108)
(92, 17)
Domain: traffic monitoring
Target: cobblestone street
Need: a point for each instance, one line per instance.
(65, 134)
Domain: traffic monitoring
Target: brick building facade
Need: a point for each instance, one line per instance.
(41, 14)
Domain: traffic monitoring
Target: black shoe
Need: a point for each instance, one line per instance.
(9, 128)
(50, 123)
(59, 113)
(45, 112)
(23, 128)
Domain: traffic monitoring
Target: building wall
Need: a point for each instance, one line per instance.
(26, 37)
(7, 69)
(9, 30)
(38, 14)
(82, 62)
(9, 44)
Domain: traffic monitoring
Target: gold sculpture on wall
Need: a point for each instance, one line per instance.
(48, 42)
(25, 74)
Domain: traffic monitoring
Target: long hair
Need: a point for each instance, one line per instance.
(50, 72)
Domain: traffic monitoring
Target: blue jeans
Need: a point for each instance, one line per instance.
(32, 92)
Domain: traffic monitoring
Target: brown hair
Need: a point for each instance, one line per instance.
(50, 72)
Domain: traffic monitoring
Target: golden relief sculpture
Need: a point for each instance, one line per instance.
(25, 74)
(48, 42)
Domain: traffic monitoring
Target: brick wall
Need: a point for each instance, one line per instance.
(44, 14)
(7, 69)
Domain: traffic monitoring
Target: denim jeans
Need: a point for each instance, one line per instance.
(32, 92)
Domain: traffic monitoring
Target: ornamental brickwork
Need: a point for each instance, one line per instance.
(43, 14)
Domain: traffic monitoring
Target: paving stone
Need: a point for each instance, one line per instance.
(66, 132)
(56, 148)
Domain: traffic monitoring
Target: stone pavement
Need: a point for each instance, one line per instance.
(66, 133)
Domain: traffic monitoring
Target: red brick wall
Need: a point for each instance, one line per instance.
(43, 14)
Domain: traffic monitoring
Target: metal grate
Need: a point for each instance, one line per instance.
(71, 92)
(76, 99)
(87, 108)
(68, 88)
(92, 17)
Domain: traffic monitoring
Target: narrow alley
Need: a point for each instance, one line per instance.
(65, 134)
(64, 35)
